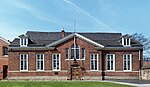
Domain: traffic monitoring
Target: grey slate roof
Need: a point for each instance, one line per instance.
(39, 39)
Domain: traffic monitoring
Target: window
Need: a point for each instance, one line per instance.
(126, 41)
(39, 62)
(56, 62)
(23, 42)
(24, 62)
(93, 62)
(83, 53)
(127, 62)
(75, 52)
(110, 59)
(5, 51)
(67, 53)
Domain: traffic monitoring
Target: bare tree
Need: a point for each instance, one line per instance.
(144, 41)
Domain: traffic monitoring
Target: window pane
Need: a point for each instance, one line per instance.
(40, 61)
(67, 50)
(25, 41)
(75, 52)
(127, 61)
(83, 52)
(23, 62)
(56, 61)
(125, 42)
(21, 41)
(93, 61)
(110, 62)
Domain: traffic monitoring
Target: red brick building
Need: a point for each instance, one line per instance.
(3, 58)
(68, 56)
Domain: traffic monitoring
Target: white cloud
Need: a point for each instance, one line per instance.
(89, 15)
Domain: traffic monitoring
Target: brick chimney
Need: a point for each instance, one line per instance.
(62, 33)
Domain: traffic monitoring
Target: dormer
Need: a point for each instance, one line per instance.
(23, 40)
(126, 40)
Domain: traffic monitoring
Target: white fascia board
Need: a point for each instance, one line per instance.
(72, 35)
(4, 40)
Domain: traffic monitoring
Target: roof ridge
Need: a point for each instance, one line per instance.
(76, 32)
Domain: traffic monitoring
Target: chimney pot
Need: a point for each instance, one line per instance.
(62, 33)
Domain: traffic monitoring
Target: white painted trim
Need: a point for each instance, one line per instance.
(139, 55)
(25, 42)
(23, 63)
(128, 44)
(130, 63)
(110, 62)
(56, 64)
(4, 40)
(72, 35)
(94, 62)
(40, 64)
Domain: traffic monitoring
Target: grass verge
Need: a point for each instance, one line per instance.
(59, 84)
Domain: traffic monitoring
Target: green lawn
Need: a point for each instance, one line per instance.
(58, 84)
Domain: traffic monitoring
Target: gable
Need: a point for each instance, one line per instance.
(3, 41)
(74, 35)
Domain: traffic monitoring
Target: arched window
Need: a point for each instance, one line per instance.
(75, 50)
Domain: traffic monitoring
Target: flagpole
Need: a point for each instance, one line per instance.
(74, 35)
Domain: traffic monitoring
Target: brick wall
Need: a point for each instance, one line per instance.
(14, 67)
(3, 58)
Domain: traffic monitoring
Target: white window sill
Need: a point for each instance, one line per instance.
(73, 59)
(39, 70)
(127, 70)
(23, 70)
(5, 55)
(110, 70)
(93, 70)
(55, 70)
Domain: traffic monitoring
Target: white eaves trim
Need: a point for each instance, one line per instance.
(4, 40)
(76, 35)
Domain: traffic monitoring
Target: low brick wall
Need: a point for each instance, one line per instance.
(121, 77)
(53, 78)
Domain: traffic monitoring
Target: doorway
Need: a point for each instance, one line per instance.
(5, 70)
(75, 73)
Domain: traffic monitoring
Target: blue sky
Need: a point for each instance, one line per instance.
(123, 16)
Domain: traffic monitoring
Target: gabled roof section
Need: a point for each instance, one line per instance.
(4, 40)
(126, 36)
(23, 36)
(71, 36)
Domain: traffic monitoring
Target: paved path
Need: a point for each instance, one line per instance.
(137, 83)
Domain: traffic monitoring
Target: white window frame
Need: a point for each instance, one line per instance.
(84, 54)
(127, 43)
(127, 62)
(75, 49)
(68, 54)
(39, 62)
(56, 62)
(23, 62)
(94, 62)
(23, 42)
(110, 62)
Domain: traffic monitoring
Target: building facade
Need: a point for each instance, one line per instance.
(74, 56)
(3, 58)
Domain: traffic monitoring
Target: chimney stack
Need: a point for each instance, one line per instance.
(62, 33)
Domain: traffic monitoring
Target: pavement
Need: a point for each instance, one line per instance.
(137, 83)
